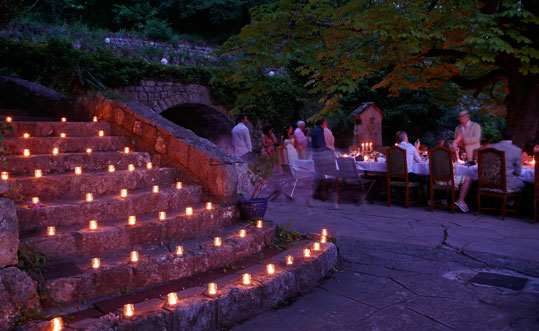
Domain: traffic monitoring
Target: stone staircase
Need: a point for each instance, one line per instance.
(151, 219)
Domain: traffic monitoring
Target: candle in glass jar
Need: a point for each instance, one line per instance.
(93, 224)
(189, 211)
(123, 193)
(259, 224)
(101, 133)
(134, 256)
(26, 152)
(35, 200)
(9, 119)
(51, 230)
(55, 151)
(63, 119)
(89, 197)
(132, 220)
(209, 206)
(129, 310)
(289, 260)
(111, 168)
(131, 167)
(148, 165)
(57, 324)
(307, 252)
(242, 233)
(324, 232)
(162, 215)
(155, 189)
(96, 263)
(26, 135)
(126, 150)
(5, 175)
(88, 151)
(323, 240)
(94, 118)
(270, 268)
(246, 279)
(172, 299)
(62, 135)
(78, 170)
(179, 250)
(217, 241)
(178, 185)
(365, 158)
(212, 288)
(316, 246)
(38, 173)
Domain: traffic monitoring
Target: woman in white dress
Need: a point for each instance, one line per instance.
(290, 141)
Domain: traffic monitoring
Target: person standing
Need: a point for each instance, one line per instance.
(289, 141)
(468, 134)
(268, 140)
(328, 136)
(300, 136)
(241, 139)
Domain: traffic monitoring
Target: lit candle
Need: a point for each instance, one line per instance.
(132, 220)
(129, 310)
(126, 150)
(370, 147)
(324, 232)
(111, 168)
(172, 299)
(96, 263)
(78, 170)
(246, 279)
(212, 288)
(131, 167)
(26, 152)
(35, 200)
(179, 250)
(148, 165)
(189, 211)
(217, 241)
(155, 189)
(5, 175)
(26, 135)
(242, 233)
(9, 119)
(316, 246)
(365, 158)
(162, 215)
(94, 119)
(101, 133)
(55, 151)
(533, 161)
(63, 119)
(123, 193)
(89, 197)
(209, 206)
(88, 151)
(38, 173)
(134, 256)
(259, 224)
(323, 240)
(178, 185)
(93, 224)
(270, 268)
(51, 230)
(345, 155)
(307, 252)
(57, 324)
(62, 135)
(289, 260)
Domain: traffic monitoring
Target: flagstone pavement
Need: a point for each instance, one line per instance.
(409, 269)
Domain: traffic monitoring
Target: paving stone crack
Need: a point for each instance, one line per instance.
(431, 318)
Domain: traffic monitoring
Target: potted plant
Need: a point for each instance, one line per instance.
(259, 175)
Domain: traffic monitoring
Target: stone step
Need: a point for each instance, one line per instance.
(108, 207)
(53, 129)
(65, 162)
(80, 241)
(157, 264)
(44, 145)
(69, 184)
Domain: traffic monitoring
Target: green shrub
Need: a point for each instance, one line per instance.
(158, 29)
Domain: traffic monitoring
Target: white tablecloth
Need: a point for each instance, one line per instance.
(527, 174)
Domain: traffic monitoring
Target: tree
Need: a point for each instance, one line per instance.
(417, 44)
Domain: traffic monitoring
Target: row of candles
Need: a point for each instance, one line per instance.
(4, 175)
(57, 323)
(56, 151)
(9, 119)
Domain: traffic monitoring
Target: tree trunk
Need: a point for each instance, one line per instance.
(523, 107)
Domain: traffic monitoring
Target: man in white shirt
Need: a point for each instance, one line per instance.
(513, 160)
(328, 136)
(300, 136)
(468, 134)
(241, 139)
(412, 155)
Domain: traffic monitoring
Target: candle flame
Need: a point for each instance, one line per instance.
(209, 206)
(172, 299)
(126, 150)
(93, 224)
(63, 119)
(123, 193)
(134, 256)
(270, 268)
(5, 175)
(132, 220)
(131, 167)
(89, 197)
(365, 158)
(55, 151)
(242, 233)
(246, 279)
(26, 152)
(212, 288)
(35, 200)
(307, 252)
(96, 263)
(316, 246)
(9, 119)
(324, 232)
(323, 240)
(78, 170)
(155, 189)
(289, 260)
(112, 168)
(51, 230)
(26, 135)
(259, 224)
(101, 133)
(57, 324)
(162, 215)
(178, 185)
(148, 165)
(189, 211)
(217, 241)
(129, 310)
(62, 135)
(94, 119)
(179, 250)
(88, 151)
(38, 173)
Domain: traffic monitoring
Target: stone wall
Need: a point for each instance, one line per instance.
(9, 233)
(209, 166)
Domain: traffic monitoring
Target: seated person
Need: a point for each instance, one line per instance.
(530, 150)
(412, 155)
(462, 183)
(513, 160)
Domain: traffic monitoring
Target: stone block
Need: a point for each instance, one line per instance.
(118, 116)
(18, 293)
(137, 128)
(238, 303)
(199, 161)
(9, 233)
(150, 83)
(179, 151)
(195, 313)
(160, 145)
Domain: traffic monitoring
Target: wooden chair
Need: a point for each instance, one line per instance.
(397, 168)
(441, 175)
(282, 157)
(536, 198)
(302, 152)
(328, 172)
(492, 180)
(350, 178)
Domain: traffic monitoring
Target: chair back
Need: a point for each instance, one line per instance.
(441, 164)
(326, 163)
(396, 162)
(352, 149)
(536, 174)
(491, 169)
(347, 170)
(302, 152)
